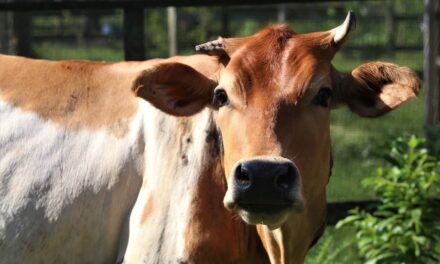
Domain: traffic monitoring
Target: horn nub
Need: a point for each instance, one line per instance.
(210, 46)
(342, 32)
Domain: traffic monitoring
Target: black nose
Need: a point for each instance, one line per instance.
(265, 182)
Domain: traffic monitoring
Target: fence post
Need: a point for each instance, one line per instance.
(22, 23)
(225, 32)
(390, 26)
(5, 32)
(172, 31)
(431, 69)
(134, 47)
(281, 13)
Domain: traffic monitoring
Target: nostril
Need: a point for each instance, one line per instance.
(284, 181)
(242, 177)
(286, 177)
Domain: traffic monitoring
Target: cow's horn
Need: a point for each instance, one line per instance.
(222, 47)
(342, 32)
(211, 46)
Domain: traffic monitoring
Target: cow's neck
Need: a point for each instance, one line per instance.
(179, 215)
(290, 242)
(280, 244)
(214, 234)
(175, 153)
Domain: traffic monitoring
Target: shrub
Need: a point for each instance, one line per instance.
(404, 227)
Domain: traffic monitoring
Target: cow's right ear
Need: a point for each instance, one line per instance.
(174, 88)
(375, 88)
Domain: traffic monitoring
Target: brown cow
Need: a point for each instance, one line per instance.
(269, 101)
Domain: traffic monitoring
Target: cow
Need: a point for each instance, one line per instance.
(217, 158)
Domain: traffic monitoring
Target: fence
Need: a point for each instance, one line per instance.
(432, 60)
(388, 30)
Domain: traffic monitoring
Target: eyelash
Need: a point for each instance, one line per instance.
(323, 97)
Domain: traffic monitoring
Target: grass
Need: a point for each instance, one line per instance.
(347, 60)
(357, 143)
(112, 51)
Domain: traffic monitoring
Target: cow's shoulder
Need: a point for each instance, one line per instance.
(72, 93)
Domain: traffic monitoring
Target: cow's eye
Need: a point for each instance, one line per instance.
(220, 97)
(323, 97)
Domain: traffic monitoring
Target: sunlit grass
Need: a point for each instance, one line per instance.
(357, 144)
(112, 51)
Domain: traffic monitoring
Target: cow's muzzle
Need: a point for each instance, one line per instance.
(264, 190)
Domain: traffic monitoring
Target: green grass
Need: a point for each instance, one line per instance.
(63, 51)
(357, 144)
(347, 60)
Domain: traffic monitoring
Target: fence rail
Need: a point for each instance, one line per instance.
(39, 5)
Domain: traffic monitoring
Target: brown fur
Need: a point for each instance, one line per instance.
(177, 83)
(74, 94)
(378, 87)
(216, 235)
(79, 94)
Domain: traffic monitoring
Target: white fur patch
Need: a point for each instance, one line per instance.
(64, 194)
(175, 154)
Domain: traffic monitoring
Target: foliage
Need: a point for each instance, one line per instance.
(434, 139)
(404, 227)
(156, 36)
(334, 247)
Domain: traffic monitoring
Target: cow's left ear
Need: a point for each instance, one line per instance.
(375, 88)
(174, 88)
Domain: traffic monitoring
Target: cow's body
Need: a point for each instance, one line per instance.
(68, 179)
(95, 167)
(73, 148)
(64, 193)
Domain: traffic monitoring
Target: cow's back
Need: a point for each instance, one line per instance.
(71, 145)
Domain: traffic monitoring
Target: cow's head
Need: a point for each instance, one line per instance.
(274, 91)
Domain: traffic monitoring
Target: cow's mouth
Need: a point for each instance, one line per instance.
(264, 216)
(265, 208)
(272, 215)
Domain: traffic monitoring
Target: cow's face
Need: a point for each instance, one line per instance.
(274, 91)
(274, 99)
